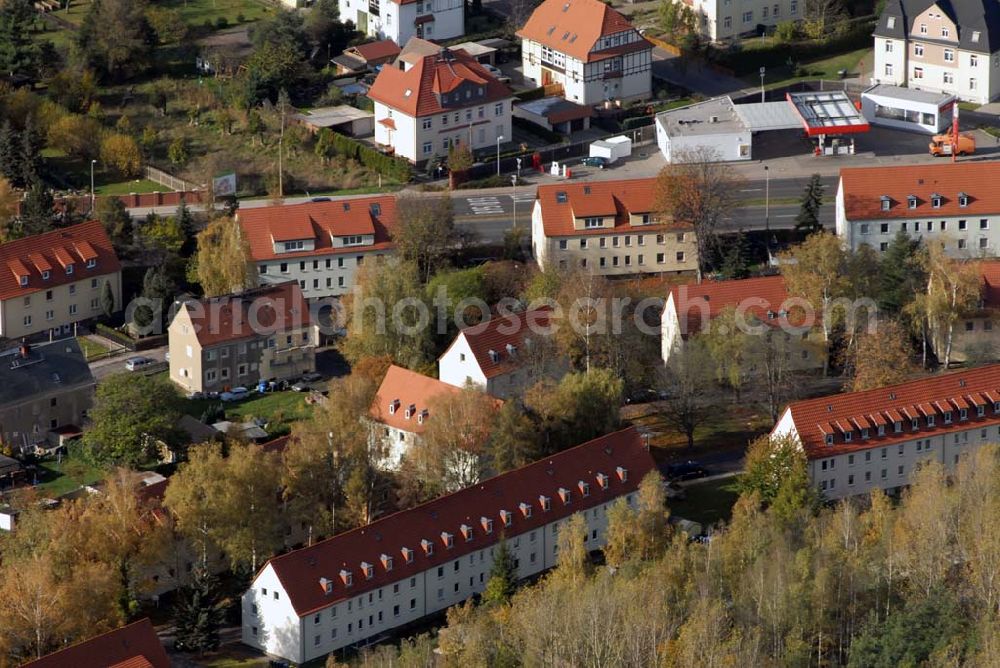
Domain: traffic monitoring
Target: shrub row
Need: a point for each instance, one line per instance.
(746, 61)
(392, 167)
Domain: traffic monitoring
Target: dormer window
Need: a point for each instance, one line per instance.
(565, 495)
(886, 202)
(947, 417)
(525, 509)
(427, 546)
(963, 414)
(890, 22)
(294, 245)
(914, 424)
(848, 436)
(327, 585)
(980, 410)
(375, 208)
(545, 502)
(69, 268)
(393, 406)
(494, 356)
(410, 411)
(24, 281)
(930, 420)
(407, 555)
(975, 36)
(936, 201)
(466, 532)
(584, 488)
(897, 426)
(386, 562)
(487, 525)
(603, 480)
(996, 406)
(422, 417)
(368, 570)
(347, 578)
(622, 473)
(829, 439)
(881, 430)
(91, 263)
(506, 517)
(593, 222)
(864, 434)
(448, 539)
(963, 200)
(353, 240)
(911, 201)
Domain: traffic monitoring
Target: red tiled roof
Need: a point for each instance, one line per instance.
(259, 312)
(416, 91)
(384, 48)
(132, 646)
(318, 220)
(990, 272)
(22, 257)
(409, 388)
(864, 187)
(495, 334)
(757, 297)
(636, 196)
(300, 571)
(931, 395)
(573, 27)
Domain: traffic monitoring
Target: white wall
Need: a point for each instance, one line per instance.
(972, 242)
(479, 123)
(670, 330)
(458, 366)
(726, 146)
(584, 84)
(870, 101)
(896, 58)
(373, 613)
(315, 278)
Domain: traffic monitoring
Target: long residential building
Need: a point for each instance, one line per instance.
(434, 98)
(590, 49)
(319, 244)
(611, 228)
(363, 584)
(958, 203)
(763, 304)
(504, 355)
(238, 340)
(402, 20)
(945, 47)
(720, 20)
(859, 441)
(132, 646)
(51, 281)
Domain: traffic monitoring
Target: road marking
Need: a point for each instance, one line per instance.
(485, 206)
(785, 215)
(525, 197)
(750, 190)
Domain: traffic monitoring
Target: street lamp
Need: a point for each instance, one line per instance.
(513, 197)
(767, 199)
(499, 139)
(92, 163)
(762, 70)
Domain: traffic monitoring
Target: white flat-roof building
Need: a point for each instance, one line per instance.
(907, 109)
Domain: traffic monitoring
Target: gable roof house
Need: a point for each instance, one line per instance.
(320, 245)
(133, 646)
(950, 46)
(363, 57)
(763, 303)
(958, 203)
(504, 355)
(238, 340)
(364, 583)
(610, 228)
(859, 441)
(44, 389)
(51, 281)
(402, 20)
(429, 101)
(588, 48)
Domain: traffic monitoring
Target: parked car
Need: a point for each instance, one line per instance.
(136, 363)
(195, 395)
(312, 377)
(688, 470)
(235, 394)
(595, 161)
(496, 72)
(642, 396)
(301, 386)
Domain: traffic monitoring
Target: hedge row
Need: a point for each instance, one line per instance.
(531, 94)
(124, 339)
(392, 167)
(637, 122)
(746, 61)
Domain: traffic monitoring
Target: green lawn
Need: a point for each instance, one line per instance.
(126, 187)
(707, 502)
(280, 409)
(90, 349)
(825, 68)
(57, 478)
(196, 12)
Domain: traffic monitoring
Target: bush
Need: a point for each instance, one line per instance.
(495, 181)
(240, 18)
(786, 31)
(221, 22)
(392, 167)
(530, 94)
(637, 122)
(747, 61)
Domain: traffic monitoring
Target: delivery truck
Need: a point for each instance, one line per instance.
(941, 144)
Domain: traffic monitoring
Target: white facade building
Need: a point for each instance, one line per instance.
(720, 20)
(364, 583)
(907, 109)
(953, 202)
(951, 48)
(859, 441)
(437, 101)
(320, 245)
(404, 19)
(588, 48)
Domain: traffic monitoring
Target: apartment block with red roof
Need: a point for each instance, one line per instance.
(437, 97)
(859, 441)
(320, 245)
(365, 583)
(610, 228)
(958, 203)
(238, 340)
(402, 20)
(400, 411)
(590, 49)
(762, 303)
(51, 281)
(132, 646)
(504, 356)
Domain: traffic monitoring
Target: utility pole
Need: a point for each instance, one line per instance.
(762, 71)
(513, 197)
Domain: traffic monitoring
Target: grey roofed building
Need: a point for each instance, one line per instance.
(971, 16)
(42, 388)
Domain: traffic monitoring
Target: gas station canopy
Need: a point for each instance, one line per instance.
(827, 113)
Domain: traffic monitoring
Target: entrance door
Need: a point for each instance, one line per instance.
(546, 77)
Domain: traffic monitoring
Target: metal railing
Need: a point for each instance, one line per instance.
(169, 180)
